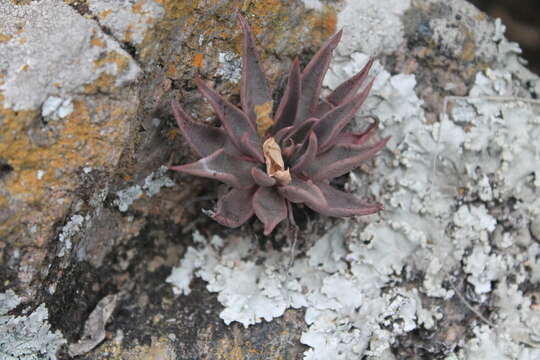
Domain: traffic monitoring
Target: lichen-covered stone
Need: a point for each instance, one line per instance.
(87, 210)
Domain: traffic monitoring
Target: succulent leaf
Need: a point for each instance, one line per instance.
(342, 204)
(223, 167)
(300, 132)
(261, 178)
(341, 159)
(235, 208)
(357, 138)
(303, 192)
(288, 107)
(312, 78)
(307, 155)
(349, 87)
(254, 87)
(234, 121)
(331, 124)
(269, 207)
(203, 139)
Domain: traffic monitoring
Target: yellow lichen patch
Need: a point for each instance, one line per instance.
(171, 70)
(97, 42)
(198, 60)
(128, 36)
(176, 9)
(160, 349)
(21, 2)
(323, 24)
(104, 83)
(122, 62)
(137, 7)
(44, 174)
(264, 120)
(105, 13)
(4, 38)
(265, 8)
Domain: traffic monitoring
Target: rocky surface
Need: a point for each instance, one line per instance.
(92, 225)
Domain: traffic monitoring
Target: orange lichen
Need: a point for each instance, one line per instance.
(323, 24)
(129, 33)
(137, 7)
(105, 13)
(264, 117)
(171, 70)
(105, 82)
(198, 60)
(4, 38)
(97, 42)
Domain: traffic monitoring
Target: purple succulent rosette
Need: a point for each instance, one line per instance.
(271, 161)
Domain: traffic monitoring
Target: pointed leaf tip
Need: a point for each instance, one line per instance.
(288, 106)
(348, 88)
(254, 89)
(221, 166)
(235, 122)
(203, 139)
(312, 77)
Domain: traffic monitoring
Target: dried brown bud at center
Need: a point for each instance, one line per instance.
(275, 166)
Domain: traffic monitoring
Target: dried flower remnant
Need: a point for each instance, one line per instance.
(273, 160)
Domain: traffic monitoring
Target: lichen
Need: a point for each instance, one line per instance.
(26, 337)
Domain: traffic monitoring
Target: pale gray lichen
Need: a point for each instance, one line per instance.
(230, 67)
(55, 108)
(152, 185)
(26, 337)
(383, 23)
(72, 227)
(56, 29)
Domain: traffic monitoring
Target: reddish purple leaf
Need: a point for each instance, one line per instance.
(303, 192)
(340, 203)
(300, 132)
(261, 178)
(269, 207)
(254, 88)
(334, 121)
(235, 122)
(282, 133)
(286, 112)
(358, 138)
(203, 139)
(307, 154)
(252, 146)
(312, 78)
(322, 109)
(341, 159)
(348, 88)
(223, 167)
(235, 208)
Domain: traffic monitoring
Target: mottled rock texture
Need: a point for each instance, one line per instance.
(86, 209)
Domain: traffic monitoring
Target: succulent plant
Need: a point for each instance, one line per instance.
(272, 160)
